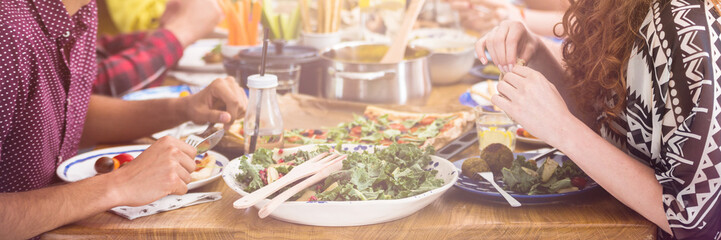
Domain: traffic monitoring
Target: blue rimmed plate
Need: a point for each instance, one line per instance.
(83, 166)
(160, 92)
(477, 71)
(487, 193)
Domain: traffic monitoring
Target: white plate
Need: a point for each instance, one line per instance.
(482, 87)
(196, 78)
(83, 166)
(192, 59)
(534, 141)
(350, 213)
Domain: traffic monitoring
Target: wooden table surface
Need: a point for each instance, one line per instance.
(456, 215)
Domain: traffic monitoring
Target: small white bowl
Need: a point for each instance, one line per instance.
(320, 41)
(350, 213)
(448, 67)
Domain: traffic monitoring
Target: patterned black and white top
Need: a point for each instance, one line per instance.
(672, 120)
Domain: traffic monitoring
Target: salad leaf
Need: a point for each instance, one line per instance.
(263, 157)
(249, 176)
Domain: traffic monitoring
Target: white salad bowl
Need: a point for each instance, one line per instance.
(350, 213)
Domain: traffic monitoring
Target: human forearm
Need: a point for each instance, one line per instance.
(544, 23)
(27, 214)
(113, 120)
(628, 180)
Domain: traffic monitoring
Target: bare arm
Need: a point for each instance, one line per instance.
(27, 214)
(163, 169)
(531, 98)
(628, 180)
(548, 5)
(113, 120)
(543, 23)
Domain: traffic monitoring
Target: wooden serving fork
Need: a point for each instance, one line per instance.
(310, 167)
(334, 166)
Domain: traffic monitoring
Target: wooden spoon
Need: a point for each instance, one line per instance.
(398, 48)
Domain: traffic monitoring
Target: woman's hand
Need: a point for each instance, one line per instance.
(507, 43)
(223, 101)
(532, 101)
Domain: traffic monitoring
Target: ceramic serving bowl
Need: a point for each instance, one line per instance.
(451, 59)
(350, 213)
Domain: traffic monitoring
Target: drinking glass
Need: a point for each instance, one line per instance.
(495, 127)
(288, 77)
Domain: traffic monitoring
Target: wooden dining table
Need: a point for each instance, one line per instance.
(455, 215)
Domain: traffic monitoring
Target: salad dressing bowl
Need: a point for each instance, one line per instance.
(350, 213)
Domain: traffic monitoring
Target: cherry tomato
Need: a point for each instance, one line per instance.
(124, 158)
(427, 121)
(356, 130)
(578, 182)
(104, 165)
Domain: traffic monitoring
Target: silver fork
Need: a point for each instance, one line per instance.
(212, 139)
(489, 177)
(310, 167)
(194, 140)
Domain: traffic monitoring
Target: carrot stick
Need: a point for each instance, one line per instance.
(241, 26)
(232, 39)
(255, 22)
(246, 13)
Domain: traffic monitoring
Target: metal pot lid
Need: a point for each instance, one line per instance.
(288, 54)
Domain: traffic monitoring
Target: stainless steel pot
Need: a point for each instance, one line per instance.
(355, 74)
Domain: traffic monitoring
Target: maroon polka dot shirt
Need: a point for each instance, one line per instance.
(47, 67)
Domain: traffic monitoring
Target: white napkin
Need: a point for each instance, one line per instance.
(170, 202)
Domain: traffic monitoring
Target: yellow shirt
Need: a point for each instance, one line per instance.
(125, 16)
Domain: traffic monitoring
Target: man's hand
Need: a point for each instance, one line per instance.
(190, 20)
(223, 101)
(163, 169)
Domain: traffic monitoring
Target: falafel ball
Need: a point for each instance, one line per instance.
(472, 166)
(497, 156)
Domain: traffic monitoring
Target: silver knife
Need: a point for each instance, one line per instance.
(210, 141)
(542, 155)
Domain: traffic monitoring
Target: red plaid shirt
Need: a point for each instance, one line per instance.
(135, 61)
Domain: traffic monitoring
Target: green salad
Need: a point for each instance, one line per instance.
(390, 173)
(526, 177)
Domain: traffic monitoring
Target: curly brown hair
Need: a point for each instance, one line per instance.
(599, 35)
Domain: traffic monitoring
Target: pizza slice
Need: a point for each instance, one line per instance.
(378, 126)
